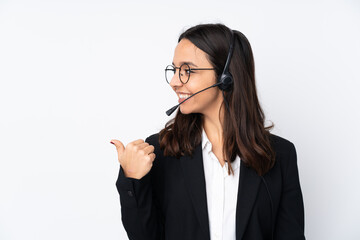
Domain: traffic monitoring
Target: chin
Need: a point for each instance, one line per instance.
(185, 110)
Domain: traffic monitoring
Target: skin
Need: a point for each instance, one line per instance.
(137, 157)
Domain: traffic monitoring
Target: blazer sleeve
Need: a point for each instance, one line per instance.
(140, 212)
(290, 215)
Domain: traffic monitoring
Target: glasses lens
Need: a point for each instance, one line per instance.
(169, 73)
(184, 73)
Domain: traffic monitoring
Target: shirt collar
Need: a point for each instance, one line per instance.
(206, 144)
(236, 163)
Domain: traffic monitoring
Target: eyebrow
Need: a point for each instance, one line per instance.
(189, 63)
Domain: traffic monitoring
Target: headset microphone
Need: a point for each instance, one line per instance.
(171, 110)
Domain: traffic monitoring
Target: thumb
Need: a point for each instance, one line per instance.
(119, 146)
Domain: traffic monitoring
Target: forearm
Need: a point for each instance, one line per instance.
(140, 216)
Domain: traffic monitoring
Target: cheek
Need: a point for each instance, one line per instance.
(200, 84)
(201, 101)
(206, 97)
(209, 95)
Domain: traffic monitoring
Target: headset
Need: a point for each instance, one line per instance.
(225, 81)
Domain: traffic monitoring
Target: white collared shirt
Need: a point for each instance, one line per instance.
(221, 193)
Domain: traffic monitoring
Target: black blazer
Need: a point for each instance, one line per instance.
(170, 201)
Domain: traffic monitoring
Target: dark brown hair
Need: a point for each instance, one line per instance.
(244, 132)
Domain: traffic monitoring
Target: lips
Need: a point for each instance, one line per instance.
(182, 96)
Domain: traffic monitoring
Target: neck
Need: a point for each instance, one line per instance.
(213, 126)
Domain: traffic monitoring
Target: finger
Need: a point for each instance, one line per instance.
(149, 149)
(141, 146)
(152, 156)
(119, 146)
(135, 143)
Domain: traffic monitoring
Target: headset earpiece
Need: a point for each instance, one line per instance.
(226, 80)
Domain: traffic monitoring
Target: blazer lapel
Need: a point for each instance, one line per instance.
(193, 170)
(249, 183)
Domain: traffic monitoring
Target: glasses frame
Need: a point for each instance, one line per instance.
(189, 68)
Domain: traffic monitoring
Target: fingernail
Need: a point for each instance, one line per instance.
(112, 142)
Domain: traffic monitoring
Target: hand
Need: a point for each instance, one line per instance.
(136, 159)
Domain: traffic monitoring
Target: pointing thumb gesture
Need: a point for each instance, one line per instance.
(119, 147)
(136, 158)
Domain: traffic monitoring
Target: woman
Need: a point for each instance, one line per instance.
(214, 171)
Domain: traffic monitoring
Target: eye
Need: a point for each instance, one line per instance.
(188, 71)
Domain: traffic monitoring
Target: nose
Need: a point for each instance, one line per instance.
(175, 81)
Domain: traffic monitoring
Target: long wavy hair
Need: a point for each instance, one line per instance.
(244, 132)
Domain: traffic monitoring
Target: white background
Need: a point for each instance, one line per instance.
(75, 74)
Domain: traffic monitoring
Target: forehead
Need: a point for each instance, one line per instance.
(186, 51)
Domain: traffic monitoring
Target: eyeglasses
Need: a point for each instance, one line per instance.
(184, 72)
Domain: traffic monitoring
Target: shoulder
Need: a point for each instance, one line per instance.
(154, 140)
(285, 153)
(280, 144)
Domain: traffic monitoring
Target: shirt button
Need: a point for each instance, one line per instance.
(130, 193)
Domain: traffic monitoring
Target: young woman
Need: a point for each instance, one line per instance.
(215, 171)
